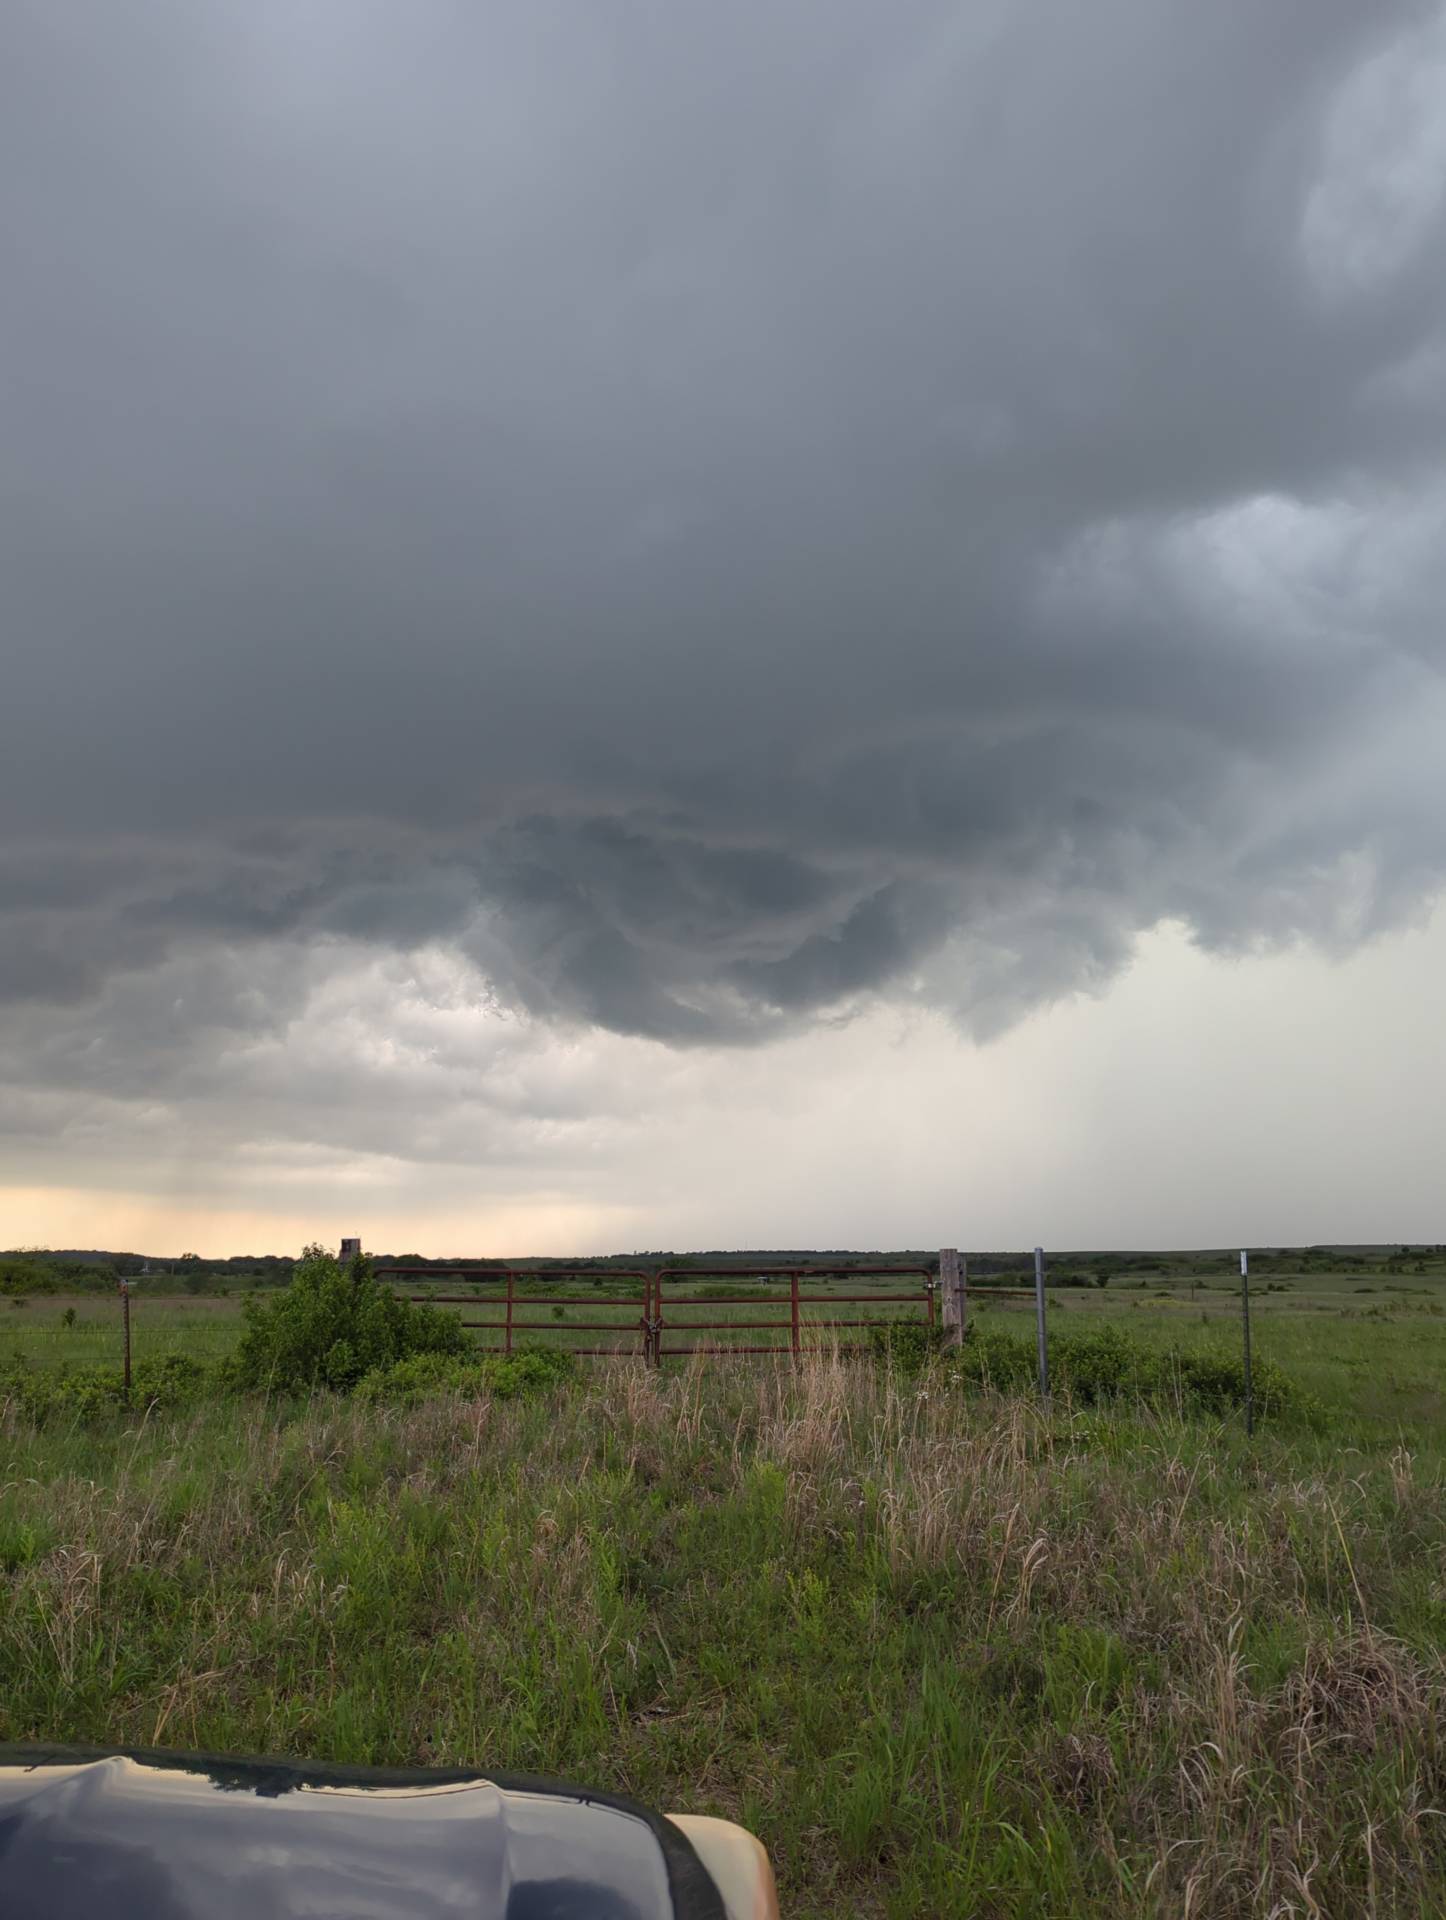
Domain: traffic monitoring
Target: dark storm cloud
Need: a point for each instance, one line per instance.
(711, 511)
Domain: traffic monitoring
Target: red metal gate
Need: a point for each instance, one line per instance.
(512, 1305)
(779, 1300)
(790, 1290)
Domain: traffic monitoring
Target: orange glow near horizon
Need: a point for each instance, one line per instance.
(73, 1217)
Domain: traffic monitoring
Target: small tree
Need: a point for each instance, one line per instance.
(332, 1325)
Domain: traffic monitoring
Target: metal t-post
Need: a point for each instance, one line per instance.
(1245, 1325)
(125, 1294)
(1042, 1331)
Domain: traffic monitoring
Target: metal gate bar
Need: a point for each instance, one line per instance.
(797, 1327)
(663, 1311)
(514, 1322)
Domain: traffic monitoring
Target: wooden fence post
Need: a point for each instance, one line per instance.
(951, 1295)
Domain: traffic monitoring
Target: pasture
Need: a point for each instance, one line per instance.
(1371, 1348)
(947, 1652)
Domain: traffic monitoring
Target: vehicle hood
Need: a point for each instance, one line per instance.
(135, 1836)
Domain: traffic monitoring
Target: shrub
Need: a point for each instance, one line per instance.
(26, 1275)
(420, 1375)
(21, 1277)
(77, 1393)
(529, 1370)
(86, 1393)
(1105, 1364)
(172, 1380)
(505, 1376)
(332, 1326)
(992, 1359)
(908, 1345)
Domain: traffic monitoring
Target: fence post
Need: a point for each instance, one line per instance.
(951, 1296)
(125, 1294)
(1041, 1326)
(793, 1308)
(1245, 1323)
(507, 1344)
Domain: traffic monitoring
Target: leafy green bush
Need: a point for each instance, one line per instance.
(908, 1345)
(1104, 1364)
(992, 1359)
(421, 1375)
(332, 1326)
(1091, 1367)
(78, 1393)
(167, 1380)
(18, 1278)
(158, 1384)
(529, 1370)
(22, 1274)
(505, 1376)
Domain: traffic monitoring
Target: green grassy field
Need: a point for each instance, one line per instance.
(1368, 1345)
(948, 1654)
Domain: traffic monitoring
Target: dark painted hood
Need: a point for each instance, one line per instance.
(134, 1836)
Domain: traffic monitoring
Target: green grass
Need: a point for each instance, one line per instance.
(36, 1332)
(209, 1328)
(1376, 1376)
(1375, 1359)
(946, 1654)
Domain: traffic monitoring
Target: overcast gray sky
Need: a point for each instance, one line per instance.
(655, 623)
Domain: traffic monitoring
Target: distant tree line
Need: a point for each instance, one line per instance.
(41, 1270)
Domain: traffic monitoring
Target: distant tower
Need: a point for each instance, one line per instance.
(351, 1249)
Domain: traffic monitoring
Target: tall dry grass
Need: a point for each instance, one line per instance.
(946, 1654)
